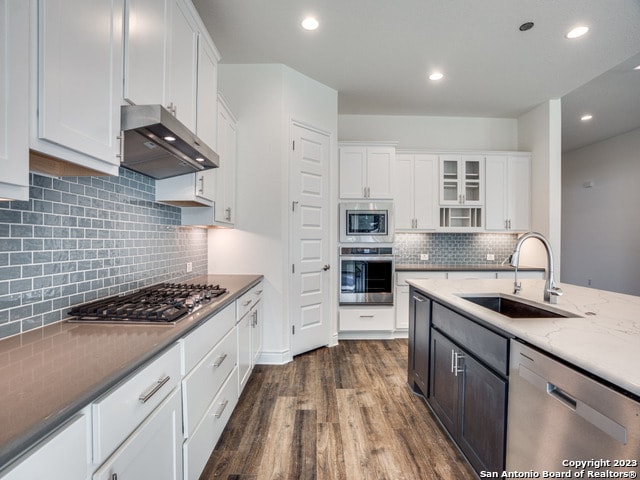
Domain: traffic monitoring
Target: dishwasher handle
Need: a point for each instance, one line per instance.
(562, 396)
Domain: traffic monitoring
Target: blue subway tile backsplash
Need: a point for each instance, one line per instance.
(82, 238)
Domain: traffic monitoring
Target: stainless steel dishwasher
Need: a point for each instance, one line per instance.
(558, 418)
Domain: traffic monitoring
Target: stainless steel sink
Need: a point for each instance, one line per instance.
(513, 308)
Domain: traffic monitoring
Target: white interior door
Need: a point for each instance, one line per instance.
(310, 238)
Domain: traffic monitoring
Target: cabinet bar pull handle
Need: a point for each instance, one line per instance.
(220, 411)
(366, 316)
(114, 476)
(219, 360)
(227, 214)
(158, 385)
(201, 180)
(244, 304)
(259, 292)
(458, 368)
(418, 299)
(453, 355)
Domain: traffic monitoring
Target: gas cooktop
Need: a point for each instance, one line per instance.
(163, 303)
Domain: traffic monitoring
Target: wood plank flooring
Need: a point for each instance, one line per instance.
(336, 413)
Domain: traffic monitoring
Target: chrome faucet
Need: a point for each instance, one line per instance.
(551, 292)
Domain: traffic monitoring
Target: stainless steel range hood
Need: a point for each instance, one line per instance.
(158, 145)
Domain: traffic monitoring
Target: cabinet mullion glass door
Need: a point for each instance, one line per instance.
(450, 181)
(472, 189)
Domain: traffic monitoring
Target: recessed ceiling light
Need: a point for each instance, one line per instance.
(586, 117)
(436, 76)
(526, 26)
(577, 32)
(310, 23)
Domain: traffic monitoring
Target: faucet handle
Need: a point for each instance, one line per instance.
(517, 286)
(554, 293)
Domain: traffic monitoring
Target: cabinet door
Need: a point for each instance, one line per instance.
(83, 116)
(443, 383)
(244, 351)
(472, 189)
(225, 175)
(14, 100)
(256, 334)
(422, 323)
(425, 183)
(153, 450)
(146, 51)
(450, 180)
(402, 307)
(403, 192)
(183, 64)
(64, 456)
(207, 107)
(380, 172)
(496, 200)
(352, 172)
(483, 416)
(519, 193)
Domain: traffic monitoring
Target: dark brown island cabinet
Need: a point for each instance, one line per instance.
(460, 367)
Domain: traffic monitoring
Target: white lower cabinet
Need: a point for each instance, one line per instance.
(153, 450)
(62, 456)
(379, 319)
(198, 447)
(119, 412)
(249, 318)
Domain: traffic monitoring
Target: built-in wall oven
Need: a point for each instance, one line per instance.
(366, 222)
(366, 275)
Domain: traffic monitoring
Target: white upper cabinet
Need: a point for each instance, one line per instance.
(183, 64)
(461, 179)
(14, 100)
(415, 193)
(78, 80)
(207, 90)
(367, 171)
(508, 197)
(146, 47)
(225, 211)
(190, 190)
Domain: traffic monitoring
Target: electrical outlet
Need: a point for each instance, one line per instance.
(189, 267)
(491, 257)
(424, 256)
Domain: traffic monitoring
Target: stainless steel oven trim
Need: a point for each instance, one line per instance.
(367, 207)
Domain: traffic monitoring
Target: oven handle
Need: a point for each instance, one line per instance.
(368, 257)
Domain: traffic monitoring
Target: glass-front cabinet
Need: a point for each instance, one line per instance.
(461, 179)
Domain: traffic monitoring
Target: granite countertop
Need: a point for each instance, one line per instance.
(49, 374)
(603, 339)
(476, 267)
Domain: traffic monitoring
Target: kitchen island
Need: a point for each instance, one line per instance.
(602, 339)
(48, 375)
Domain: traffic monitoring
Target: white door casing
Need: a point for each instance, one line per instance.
(310, 239)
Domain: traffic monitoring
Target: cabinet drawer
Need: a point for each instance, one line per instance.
(248, 300)
(202, 384)
(362, 319)
(199, 446)
(487, 346)
(119, 412)
(199, 342)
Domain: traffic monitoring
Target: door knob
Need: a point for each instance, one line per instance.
(326, 267)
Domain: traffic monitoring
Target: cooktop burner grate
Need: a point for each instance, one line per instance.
(162, 303)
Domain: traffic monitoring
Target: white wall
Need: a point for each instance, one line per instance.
(600, 229)
(265, 98)
(438, 133)
(539, 132)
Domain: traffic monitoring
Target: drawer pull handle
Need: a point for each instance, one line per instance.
(158, 385)
(220, 411)
(259, 292)
(367, 316)
(418, 299)
(244, 304)
(219, 360)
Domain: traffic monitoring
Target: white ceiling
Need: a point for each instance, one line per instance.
(377, 53)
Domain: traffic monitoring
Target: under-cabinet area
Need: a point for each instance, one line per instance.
(144, 402)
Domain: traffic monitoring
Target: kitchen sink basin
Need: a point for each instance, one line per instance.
(513, 308)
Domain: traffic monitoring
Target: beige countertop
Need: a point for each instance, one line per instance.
(49, 374)
(603, 338)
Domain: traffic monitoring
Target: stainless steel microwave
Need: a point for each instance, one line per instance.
(366, 222)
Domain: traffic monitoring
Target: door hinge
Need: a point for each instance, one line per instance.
(293, 329)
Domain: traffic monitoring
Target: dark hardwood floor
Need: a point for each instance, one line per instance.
(343, 412)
